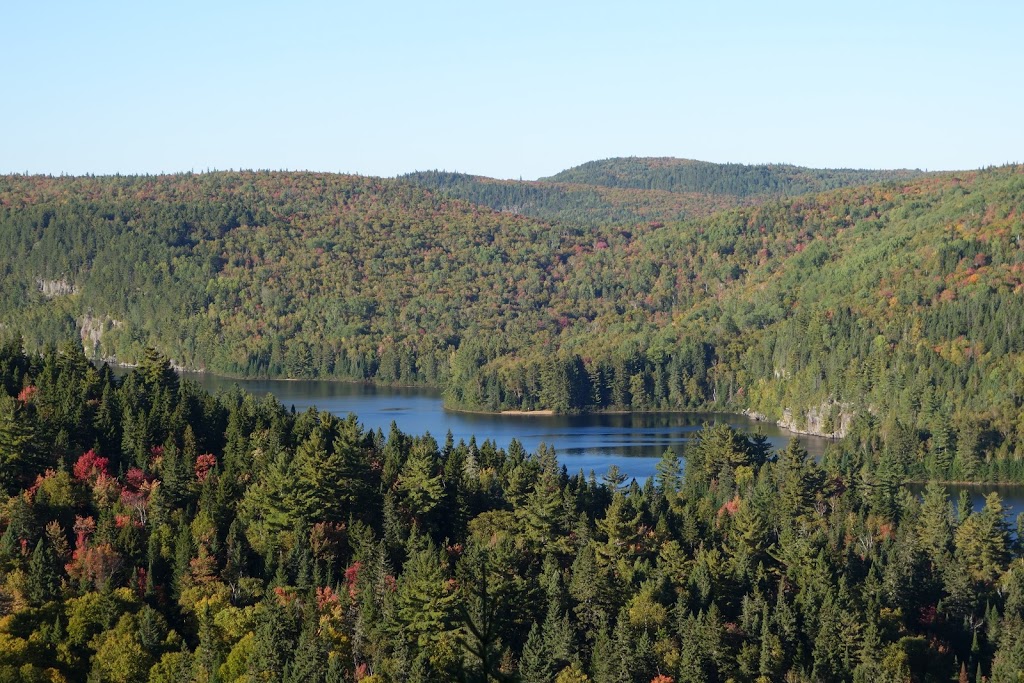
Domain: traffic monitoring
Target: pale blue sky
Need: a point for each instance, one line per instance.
(520, 89)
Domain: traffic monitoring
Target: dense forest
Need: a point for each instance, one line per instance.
(152, 532)
(890, 309)
(576, 204)
(738, 180)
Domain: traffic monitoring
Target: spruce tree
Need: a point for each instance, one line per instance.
(21, 458)
(43, 582)
(535, 666)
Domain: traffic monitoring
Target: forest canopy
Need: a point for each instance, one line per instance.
(152, 532)
(890, 308)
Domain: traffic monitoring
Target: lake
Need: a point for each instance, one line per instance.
(632, 441)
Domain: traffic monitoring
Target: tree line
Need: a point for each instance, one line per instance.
(739, 180)
(154, 532)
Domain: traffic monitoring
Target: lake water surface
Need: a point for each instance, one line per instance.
(632, 441)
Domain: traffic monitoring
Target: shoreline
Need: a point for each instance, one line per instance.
(466, 411)
(510, 413)
(526, 412)
(749, 414)
(746, 412)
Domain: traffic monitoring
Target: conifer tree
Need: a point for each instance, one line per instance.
(934, 526)
(983, 541)
(274, 645)
(668, 473)
(536, 664)
(619, 527)
(479, 615)
(21, 459)
(420, 482)
(43, 581)
(425, 601)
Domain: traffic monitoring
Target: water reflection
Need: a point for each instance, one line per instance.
(632, 441)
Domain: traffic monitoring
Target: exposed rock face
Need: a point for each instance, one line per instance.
(52, 289)
(92, 330)
(831, 419)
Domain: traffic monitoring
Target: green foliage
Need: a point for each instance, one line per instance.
(19, 449)
(890, 294)
(243, 541)
(572, 203)
(686, 175)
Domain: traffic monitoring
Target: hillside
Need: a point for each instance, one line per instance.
(736, 180)
(634, 189)
(271, 273)
(574, 204)
(887, 310)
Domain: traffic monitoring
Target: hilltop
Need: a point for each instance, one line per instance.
(736, 180)
(572, 203)
(636, 189)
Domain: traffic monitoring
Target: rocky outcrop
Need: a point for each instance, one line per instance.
(52, 289)
(91, 329)
(831, 419)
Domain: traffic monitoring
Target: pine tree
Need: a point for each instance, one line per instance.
(183, 552)
(626, 662)
(966, 462)
(834, 643)
(983, 541)
(156, 372)
(540, 513)
(668, 473)
(693, 664)
(771, 656)
(479, 620)
(1008, 661)
(747, 538)
(43, 582)
(274, 645)
(717, 446)
(331, 470)
(620, 528)
(590, 591)
(425, 600)
(964, 507)
(310, 663)
(420, 482)
(536, 665)
(21, 459)
(798, 480)
(934, 525)
(603, 657)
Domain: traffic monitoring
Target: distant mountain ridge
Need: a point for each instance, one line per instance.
(572, 202)
(738, 180)
(630, 190)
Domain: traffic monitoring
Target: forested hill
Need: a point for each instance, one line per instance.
(574, 204)
(890, 313)
(635, 189)
(737, 180)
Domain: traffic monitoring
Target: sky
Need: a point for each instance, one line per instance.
(509, 90)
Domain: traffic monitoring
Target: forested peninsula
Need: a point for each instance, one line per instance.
(155, 533)
(883, 306)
